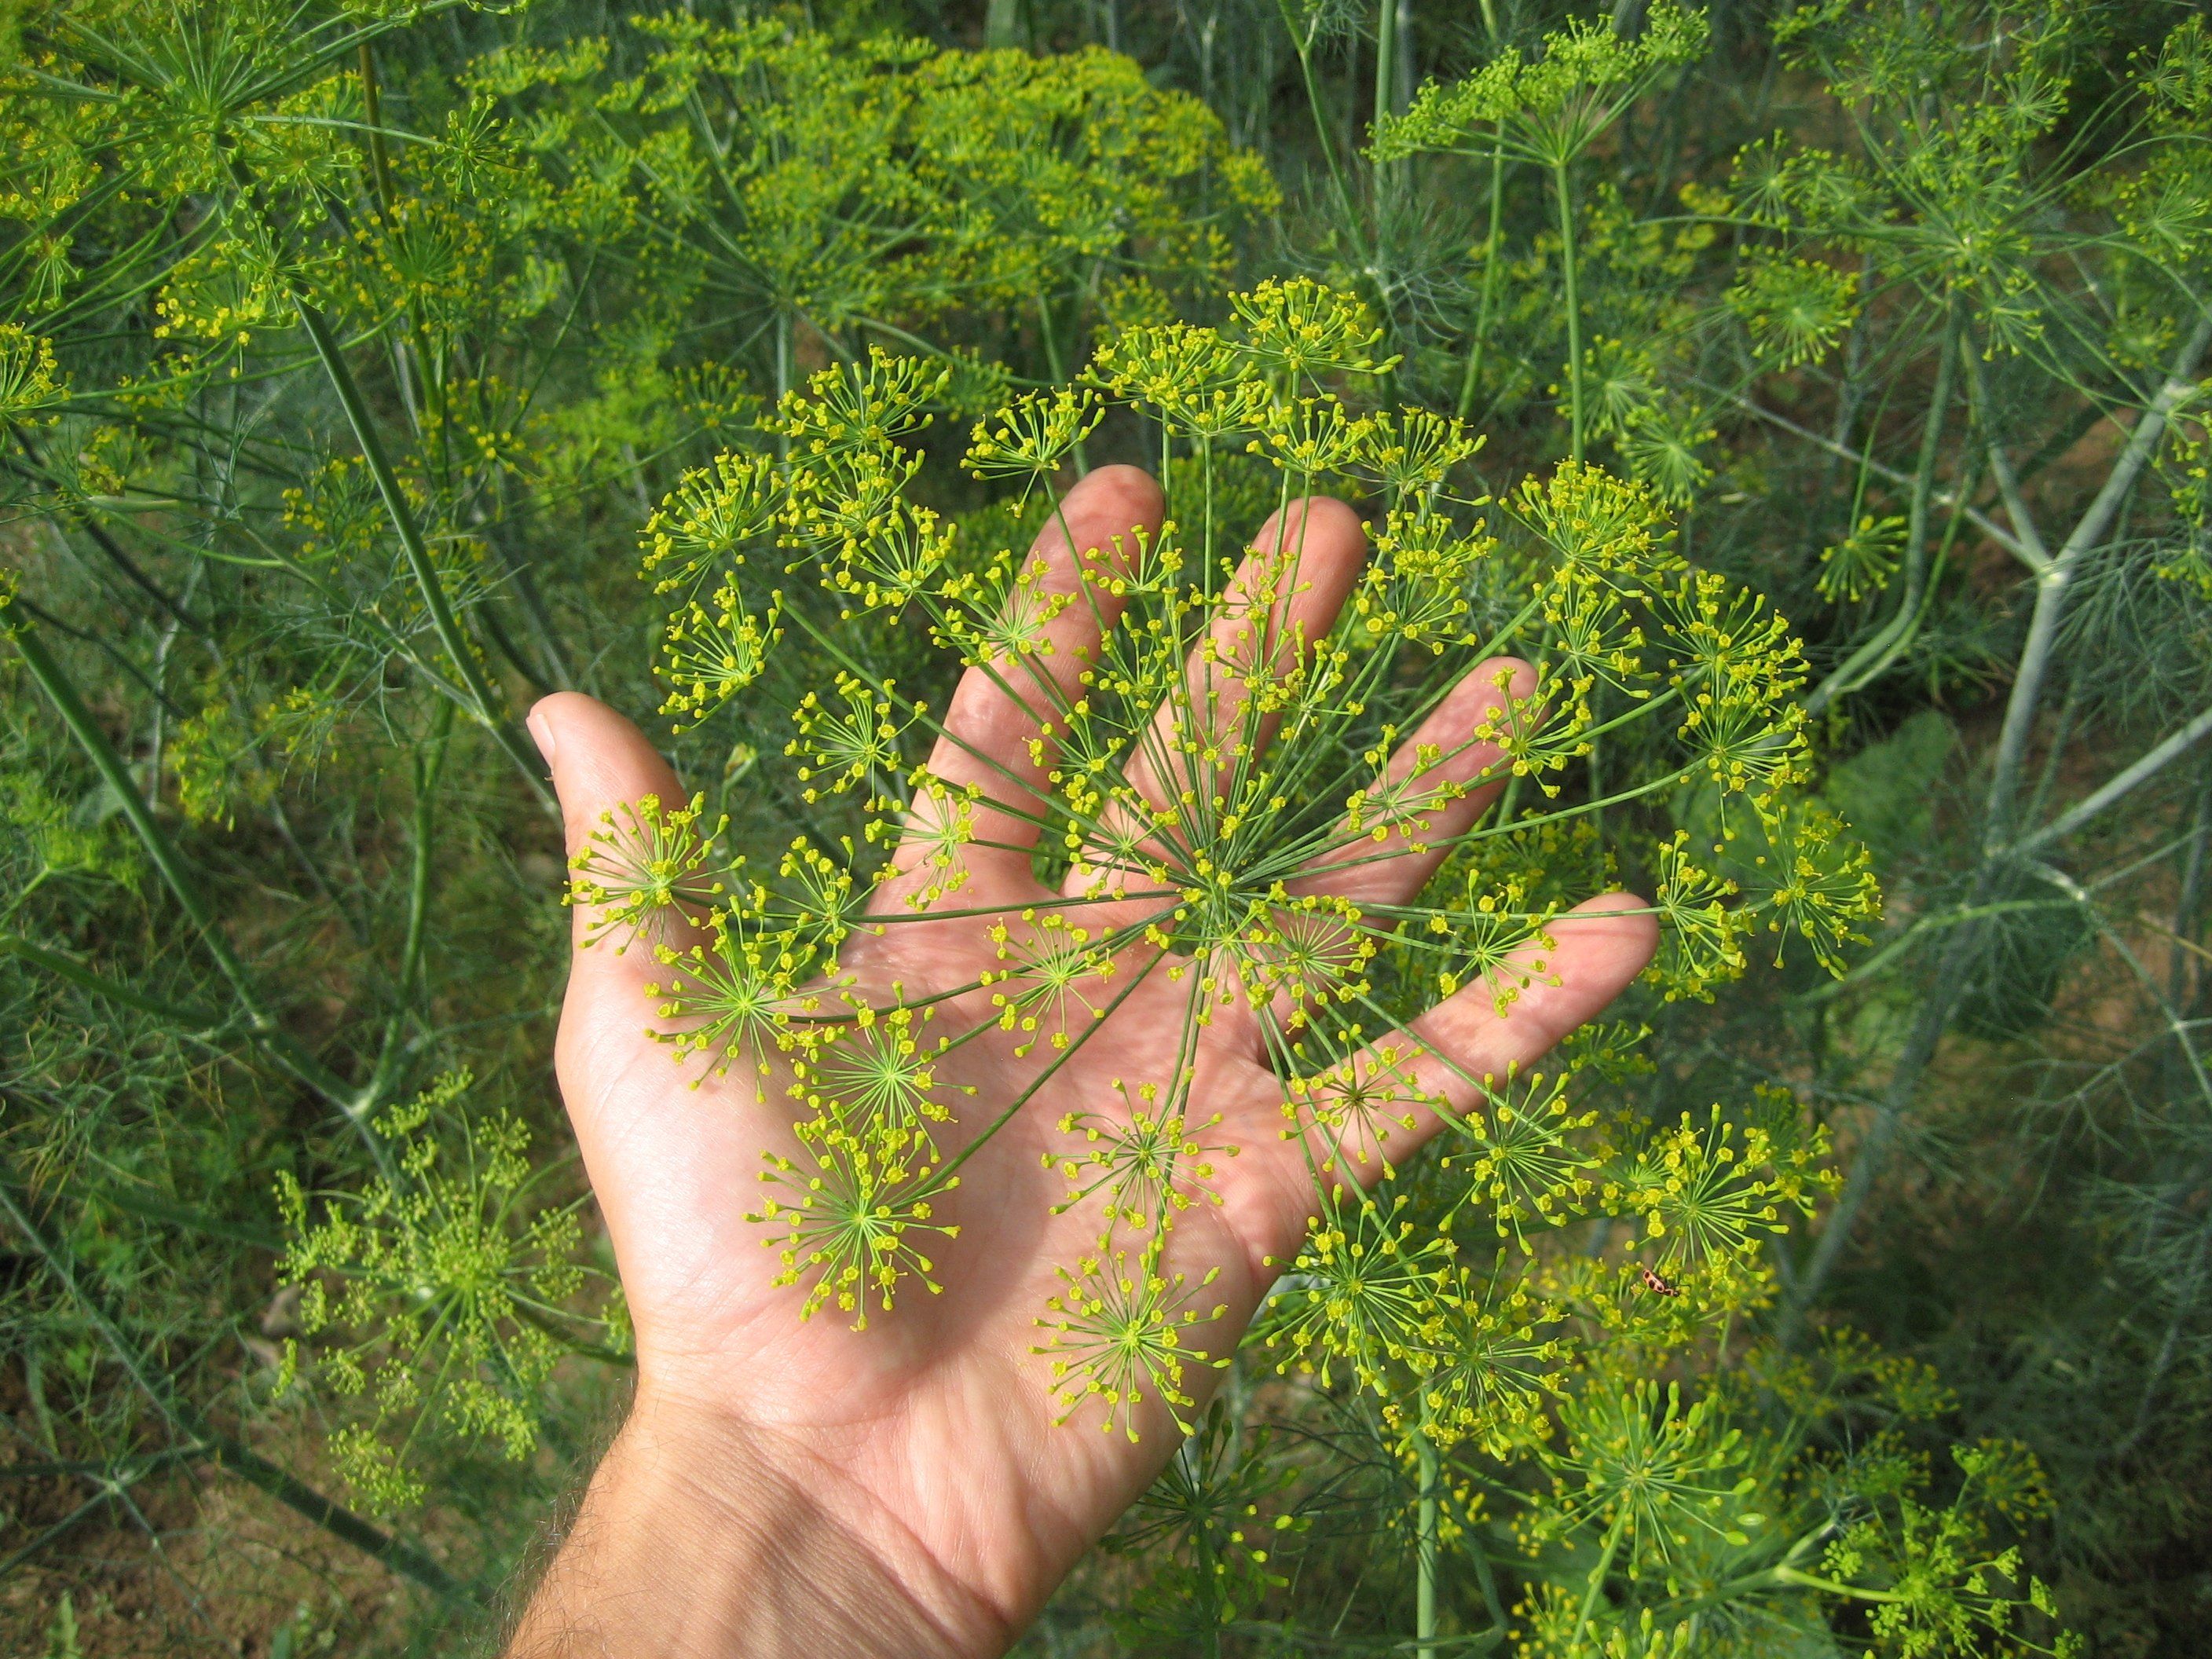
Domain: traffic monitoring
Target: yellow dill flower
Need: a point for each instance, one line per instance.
(1117, 1337)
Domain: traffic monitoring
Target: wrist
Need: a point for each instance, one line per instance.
(701, 1535)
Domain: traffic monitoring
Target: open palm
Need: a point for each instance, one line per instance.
(933, 1437)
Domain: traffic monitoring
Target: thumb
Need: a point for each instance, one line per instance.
(603, 768)
(652, 1160)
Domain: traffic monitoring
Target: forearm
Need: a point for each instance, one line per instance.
(691, 1544)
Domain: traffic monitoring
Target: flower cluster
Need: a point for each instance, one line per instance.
(851, 184)
(449, 1277)
(1242, 802)
(1558, 102)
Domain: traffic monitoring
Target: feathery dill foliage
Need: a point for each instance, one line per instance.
(308, 384)
(1906, 366)
(338, 344)
(836, 187)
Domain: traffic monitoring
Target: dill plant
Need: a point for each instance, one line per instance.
(1251, 873)
(459, 1281)
(571, 268)
(2030, 324)
(1548, 113)
(1891, 339)
(835, 190)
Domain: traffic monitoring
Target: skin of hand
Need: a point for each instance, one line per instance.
(790, 1486)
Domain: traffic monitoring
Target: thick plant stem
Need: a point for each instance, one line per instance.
(372, 111)
(437, 601)
(2028, 539)
(1872, 1153)
(268, 1030)
(224, 1451)
(1998, 852)
(429, 763)
(68, 967)
(1562, 188)
(2155, 761)
(1389, 175)
(1943, 995)
(1387, 181)
(2180, 972)
(2054, 584)
(387, 202)
(1386, 61)
(333, 1516)
(1425, 1604)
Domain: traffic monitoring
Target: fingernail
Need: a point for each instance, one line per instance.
(541, 733)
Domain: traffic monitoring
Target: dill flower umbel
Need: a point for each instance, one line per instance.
(1226, 797)
(437, 1296)
(642, 864)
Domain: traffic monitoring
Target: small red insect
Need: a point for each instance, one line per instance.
(1653, 1282)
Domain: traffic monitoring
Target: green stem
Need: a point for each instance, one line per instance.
(940, 1179)
(1388, 174)
(372, 113)
(1813, 1580)
(1613, 1538)
(1872, 1152)
(435, 600)
(1425, 1604)
(1058, 367)
(1875, 654)
(120, 1197)
(2054, 582)
(482, 700)
(1998, 856)
(1562, 187)
(97, 534)
(1472, 378)
(1303, 46)
(2155, 759)
(429, 762)
(69, 968)
(60, 1529)
(552, 1327)
(1487, 1580)
(1933, 921)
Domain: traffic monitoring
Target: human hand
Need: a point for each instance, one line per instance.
(788, 1484)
